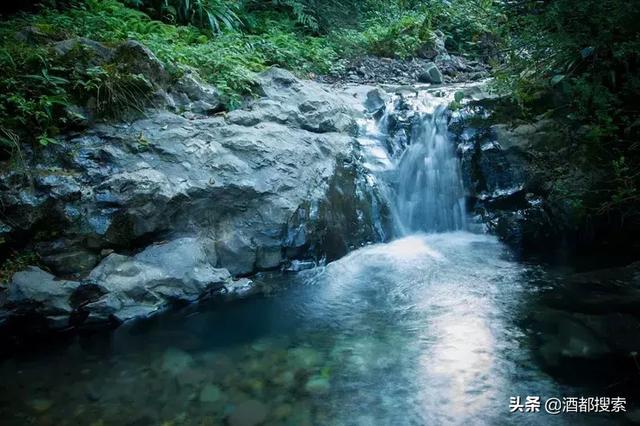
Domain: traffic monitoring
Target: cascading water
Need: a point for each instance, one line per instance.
(430, 196)
(422, 182)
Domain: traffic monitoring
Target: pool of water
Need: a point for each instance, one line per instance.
(425, 330)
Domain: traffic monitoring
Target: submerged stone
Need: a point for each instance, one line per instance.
(317, 385)
(304, 357)
(175, 361)
(248, 413)
(210, 393)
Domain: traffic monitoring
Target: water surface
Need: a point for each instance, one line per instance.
(423, 330)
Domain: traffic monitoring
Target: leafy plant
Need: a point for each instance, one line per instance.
(212, 14)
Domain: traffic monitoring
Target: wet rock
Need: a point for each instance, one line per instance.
(430, 74)
(245, 180)
(248, 413)
(264, 185)
(34, 291)
(376, 100)
(62, 259)
(137, 286)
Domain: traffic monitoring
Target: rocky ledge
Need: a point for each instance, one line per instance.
(176, 206)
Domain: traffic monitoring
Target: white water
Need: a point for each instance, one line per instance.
(422, 182)
(430, 195)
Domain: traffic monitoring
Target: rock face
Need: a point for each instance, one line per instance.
(241, 192)
(506, 190)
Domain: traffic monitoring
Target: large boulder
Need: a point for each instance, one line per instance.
(131, 287)
(247, 191)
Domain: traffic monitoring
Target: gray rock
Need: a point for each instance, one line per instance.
(135, 58)
(32, 35)
(376, 100)
(242, 180)
(434, 48)
(68, 262)
(192, 94)
(163, 273)
(276, 180)
(36, 291)
(430, 74)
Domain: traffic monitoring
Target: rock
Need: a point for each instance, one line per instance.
(434, 48)
(192, 94)
(98, 52)
(31, 35)
(317, 385)
(36, 291)
(241, 287)
(376, 100)
(430, 74)
(175, 361)
(135, 58)
(63, 258)
(274, 181)
(138, 286)
(210, 394)
(248, 413)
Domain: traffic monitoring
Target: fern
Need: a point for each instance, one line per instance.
(300, 12)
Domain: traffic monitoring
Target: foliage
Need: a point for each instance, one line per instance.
(227, 41)
(15, 262)
(581, 61)
(211, 14)
(400, 39)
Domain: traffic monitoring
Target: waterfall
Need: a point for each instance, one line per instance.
(414, 164)
(430, 196)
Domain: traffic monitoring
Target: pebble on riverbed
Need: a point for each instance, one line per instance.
(248, 413)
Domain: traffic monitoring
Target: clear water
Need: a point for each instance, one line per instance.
(425, 330)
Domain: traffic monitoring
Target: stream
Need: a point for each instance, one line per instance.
(436, 327)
